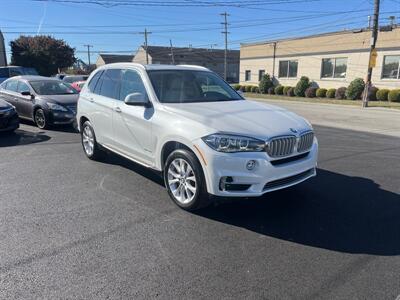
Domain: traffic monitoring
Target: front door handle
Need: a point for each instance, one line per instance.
(117, 109)
(91, 99)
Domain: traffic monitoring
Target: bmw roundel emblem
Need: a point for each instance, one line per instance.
(293, 130)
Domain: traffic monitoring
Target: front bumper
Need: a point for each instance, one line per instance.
(9, 122)
(265, 177)
(62, 118)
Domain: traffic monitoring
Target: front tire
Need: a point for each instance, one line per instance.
(89, 142)
(40, 119)
(184, 180)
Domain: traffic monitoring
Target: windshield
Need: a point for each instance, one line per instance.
(185, 86)
(29, 71)
(52, 87)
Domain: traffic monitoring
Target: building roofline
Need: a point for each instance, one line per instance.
(354, 30)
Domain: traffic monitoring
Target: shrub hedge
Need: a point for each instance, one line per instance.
(301, 86)
(279, 90)
(372, 93)
(331, 93)
(355, 89)
(285, 89)
(271, 91)
(255, 89)
(265, 84)
(382, 95)
(290, 92)
(394, 96)
(310, 92)
(237, 87)
(321, 93)
(341, 93)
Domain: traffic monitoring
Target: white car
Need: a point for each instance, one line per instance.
(188, 123)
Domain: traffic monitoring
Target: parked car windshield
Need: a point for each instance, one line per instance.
(52, 87)
(186, 86)
(29, 71)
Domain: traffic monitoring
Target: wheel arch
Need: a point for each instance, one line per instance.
(82, 120)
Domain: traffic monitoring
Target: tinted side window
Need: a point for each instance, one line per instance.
(23, 87)
(131, 83)
(93, 81)
(12, 85)
(110, 83)
(4, 72)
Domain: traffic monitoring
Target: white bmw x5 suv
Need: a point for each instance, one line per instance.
(188, 123)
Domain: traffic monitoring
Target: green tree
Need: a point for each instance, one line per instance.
(301, 86)
(44, 53)
(355, 89)
(265, 84)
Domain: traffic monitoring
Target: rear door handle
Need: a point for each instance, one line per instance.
(91, 99)
(117, 109)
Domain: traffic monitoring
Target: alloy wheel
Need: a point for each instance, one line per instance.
(40, 119)
(88, 140)
(182, 180)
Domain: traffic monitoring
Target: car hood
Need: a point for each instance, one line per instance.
(61, 99)
(242, 117)
(4, 104)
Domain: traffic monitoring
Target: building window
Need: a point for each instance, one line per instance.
(334, 67)
(261, 74)
(288, 68)
(390, 69)
(247, 75)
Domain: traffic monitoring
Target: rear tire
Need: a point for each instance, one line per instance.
(184, 180)
(89, 142)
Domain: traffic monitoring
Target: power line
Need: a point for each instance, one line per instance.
(238, 4)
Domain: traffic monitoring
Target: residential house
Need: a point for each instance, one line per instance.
(104, 59)
(212, 59)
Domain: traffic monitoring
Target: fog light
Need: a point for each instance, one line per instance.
(224, 180)
(250, 165)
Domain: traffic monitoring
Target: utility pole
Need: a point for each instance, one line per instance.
(88, 53)
(273, 61)
(225, 23)
(172, 52)
(145, 43)
(372, 54)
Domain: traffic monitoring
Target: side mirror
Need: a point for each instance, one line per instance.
(137, 99)
(25, 93)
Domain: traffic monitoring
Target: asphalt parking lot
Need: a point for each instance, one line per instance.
(73, 228)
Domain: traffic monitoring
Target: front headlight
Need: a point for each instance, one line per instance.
(233, 143)
(55, 106)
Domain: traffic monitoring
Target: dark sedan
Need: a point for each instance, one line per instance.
(46, 101)
(9, 120)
